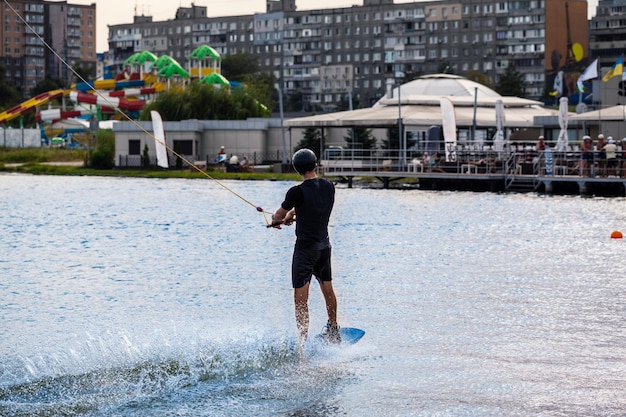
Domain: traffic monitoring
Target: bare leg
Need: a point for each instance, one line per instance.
(331, 301)
(301, 300)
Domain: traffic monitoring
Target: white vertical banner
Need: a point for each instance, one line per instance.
(449, 128)
(159, 139)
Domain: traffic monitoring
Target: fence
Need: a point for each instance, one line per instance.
(20, 138)
(514, 161)
(256, 158)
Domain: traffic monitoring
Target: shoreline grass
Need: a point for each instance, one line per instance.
(49, 161)
(33, 155)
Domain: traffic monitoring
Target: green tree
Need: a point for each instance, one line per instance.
(9, 96)
(293, 102)
(393, 139)
(344, 103)
(445, 67)
(311, 138)
(145, 160)
(511, 83)
(411, 73)
(480, 78)
(244, 68)
(85, 72)
(363, 138)
(261, 86)
(205, 102)
(237, 66)
(47, 84)
(103, 156)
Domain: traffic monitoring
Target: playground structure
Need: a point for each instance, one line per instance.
(144, 76)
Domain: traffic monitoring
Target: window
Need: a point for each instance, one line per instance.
(183, 147)
(134, 147)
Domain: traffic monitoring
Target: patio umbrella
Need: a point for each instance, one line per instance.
(562, 141)
(498, 139)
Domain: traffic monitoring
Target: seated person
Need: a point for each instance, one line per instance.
(246, 164)
(233, 164)
(434, 162)
(426, 160)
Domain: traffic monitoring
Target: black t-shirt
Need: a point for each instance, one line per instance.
(313, 200)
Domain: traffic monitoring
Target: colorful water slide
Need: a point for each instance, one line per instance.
(52, 115)
(107, 85)
(108, 103)
(131, 92)
(31, 104)
(111, 94)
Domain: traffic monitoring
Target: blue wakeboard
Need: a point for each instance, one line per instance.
(349, 336)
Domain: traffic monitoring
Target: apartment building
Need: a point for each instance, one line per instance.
(354, 54)
(607, 40)
(607, 31)
(68, 28)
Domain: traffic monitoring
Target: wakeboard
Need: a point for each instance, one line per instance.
(349, 336)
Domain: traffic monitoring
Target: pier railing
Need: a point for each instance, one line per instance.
(509, 163)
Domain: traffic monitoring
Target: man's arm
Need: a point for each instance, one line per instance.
(282, 216)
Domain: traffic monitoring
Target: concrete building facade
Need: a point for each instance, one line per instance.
(264, 141)
(607, 40)
(328, 56)
(70, 29)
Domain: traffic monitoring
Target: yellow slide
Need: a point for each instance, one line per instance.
(31, 104)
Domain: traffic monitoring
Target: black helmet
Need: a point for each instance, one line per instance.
(304, 161)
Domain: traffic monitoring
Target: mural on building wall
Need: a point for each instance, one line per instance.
(566, 50)
(564, 78)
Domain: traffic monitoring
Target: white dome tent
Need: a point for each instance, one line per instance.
(419, 103)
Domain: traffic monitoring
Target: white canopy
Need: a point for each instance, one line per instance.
(422, 115)
(419, 108)
(615, 113)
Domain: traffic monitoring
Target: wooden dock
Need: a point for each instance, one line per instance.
(505, 175)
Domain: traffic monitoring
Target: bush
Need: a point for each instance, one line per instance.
(103, 156)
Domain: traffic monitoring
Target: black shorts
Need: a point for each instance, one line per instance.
(308, 262)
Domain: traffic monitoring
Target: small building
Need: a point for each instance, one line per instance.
(201, 140)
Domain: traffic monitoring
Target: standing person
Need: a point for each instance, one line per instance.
(601, 155)
(541, 145)
(311, 203)
(610, 150)
(586, 156)
(220, 159)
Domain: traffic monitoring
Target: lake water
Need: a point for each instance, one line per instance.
(147, 297)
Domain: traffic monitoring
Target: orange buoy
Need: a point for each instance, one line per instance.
(616, 234)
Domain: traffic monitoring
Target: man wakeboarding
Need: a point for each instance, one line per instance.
(312, 202)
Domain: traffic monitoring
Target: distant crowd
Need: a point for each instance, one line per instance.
(233, 164)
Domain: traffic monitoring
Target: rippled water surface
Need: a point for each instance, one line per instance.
(146, 297)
